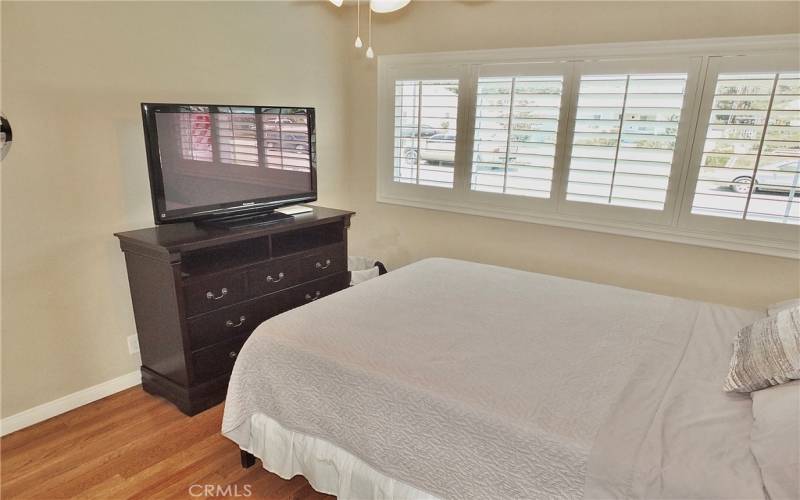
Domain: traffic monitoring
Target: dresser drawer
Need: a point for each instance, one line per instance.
(309, 292)
(276, 275)
(217, 359)
(213, 293)
(325, 262)
(229, 322)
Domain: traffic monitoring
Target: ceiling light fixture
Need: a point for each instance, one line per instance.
(377, 6)
(386, 6)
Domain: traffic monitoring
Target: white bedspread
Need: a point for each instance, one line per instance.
(475, 381)
(673, 432)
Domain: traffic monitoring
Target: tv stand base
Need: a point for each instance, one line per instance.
(246, 221)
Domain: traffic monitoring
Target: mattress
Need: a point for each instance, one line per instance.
(474, 381)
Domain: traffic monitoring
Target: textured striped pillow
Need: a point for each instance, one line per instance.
(766, 353)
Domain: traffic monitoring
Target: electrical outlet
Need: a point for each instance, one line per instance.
(133, 344)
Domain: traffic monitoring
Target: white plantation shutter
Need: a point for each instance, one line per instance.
(753, 133)
(237, 136)
(515, 134)
(624, 139)
(684, 141)
(425, 129)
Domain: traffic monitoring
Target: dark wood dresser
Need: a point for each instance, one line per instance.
(198, 292)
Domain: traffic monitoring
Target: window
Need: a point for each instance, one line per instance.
(425, 122)
(626, 126)
(753, 133)
(516, 126)
(689, 141)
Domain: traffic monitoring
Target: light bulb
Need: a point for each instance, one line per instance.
(359, 43)
(370, 53)
(337, 3)
(384, 6)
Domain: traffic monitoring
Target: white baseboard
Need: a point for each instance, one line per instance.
(69, 402)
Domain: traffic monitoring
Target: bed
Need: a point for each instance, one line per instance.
(454, 379)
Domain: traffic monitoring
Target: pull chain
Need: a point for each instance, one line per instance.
(358, 43)
(370, 53)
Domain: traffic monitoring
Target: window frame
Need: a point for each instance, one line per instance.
(691, 66)
(511, 201)
(386, 184)
(669, 225)
(771, 63)
(419, 116)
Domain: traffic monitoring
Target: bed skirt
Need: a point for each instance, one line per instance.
(328, 468)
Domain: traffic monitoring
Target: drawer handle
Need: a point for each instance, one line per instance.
(270, 279)
(231, 324)
(315, 297)
(319, 265)
(210, 295)
(232, 354)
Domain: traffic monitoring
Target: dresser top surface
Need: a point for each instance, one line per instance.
(186, 236)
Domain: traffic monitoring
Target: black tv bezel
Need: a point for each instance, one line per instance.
(253, 206)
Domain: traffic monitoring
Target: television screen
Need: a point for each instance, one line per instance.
(213, 160)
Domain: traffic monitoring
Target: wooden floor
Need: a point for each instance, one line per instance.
(134, 445)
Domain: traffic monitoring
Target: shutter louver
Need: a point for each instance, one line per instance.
(516, 128)
(753, 133)
(425, 119)
(624, 138)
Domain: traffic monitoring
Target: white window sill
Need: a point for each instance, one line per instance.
(711, 239)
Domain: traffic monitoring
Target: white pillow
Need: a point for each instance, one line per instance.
(774, 309)
(766, 353)
(775, 438)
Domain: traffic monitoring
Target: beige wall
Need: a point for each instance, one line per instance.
(73, 77)
(74, 74)
(402, 234)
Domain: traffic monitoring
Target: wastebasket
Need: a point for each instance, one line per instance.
(364, 268)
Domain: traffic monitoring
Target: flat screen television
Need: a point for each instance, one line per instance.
(210, 162)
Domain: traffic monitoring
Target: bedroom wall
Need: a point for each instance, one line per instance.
(399, 235)
(73, 77)
(74, 74)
